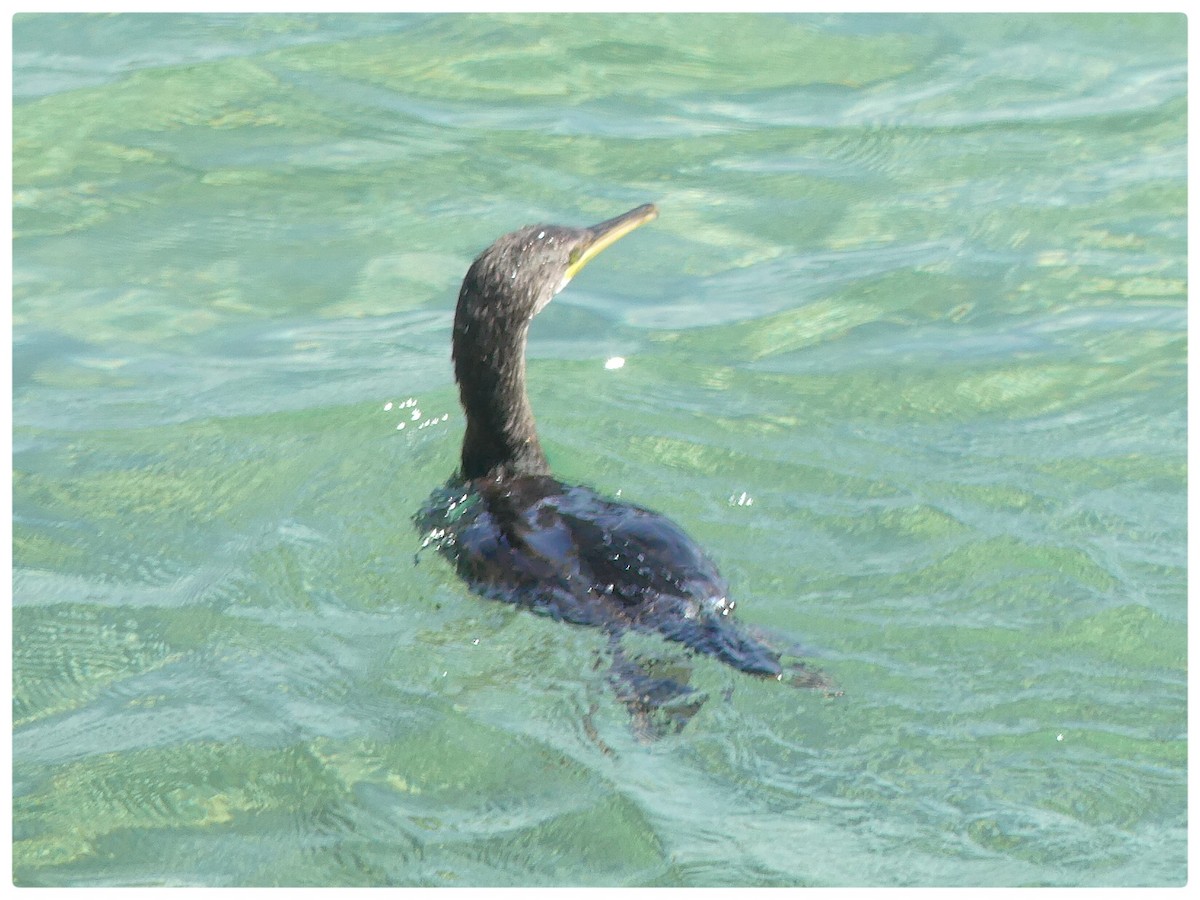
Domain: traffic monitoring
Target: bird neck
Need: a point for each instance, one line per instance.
(489, 364)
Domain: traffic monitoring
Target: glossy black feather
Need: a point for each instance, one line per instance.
(567, 552)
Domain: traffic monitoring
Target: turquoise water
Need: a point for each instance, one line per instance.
(905, 351)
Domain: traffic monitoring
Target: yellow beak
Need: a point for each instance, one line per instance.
(607, 233)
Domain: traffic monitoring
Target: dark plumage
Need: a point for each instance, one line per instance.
(517, 534)
(507, 285)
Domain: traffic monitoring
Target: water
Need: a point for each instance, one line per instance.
(905, 351)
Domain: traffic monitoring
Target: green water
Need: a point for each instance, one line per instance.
(905, 351)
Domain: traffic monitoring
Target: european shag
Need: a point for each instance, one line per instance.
(517, 534)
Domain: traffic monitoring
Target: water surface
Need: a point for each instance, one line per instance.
(905, 351)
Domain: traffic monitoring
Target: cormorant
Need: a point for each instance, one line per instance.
(517, 534)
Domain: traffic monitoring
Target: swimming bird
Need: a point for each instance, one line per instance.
(517, 534)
